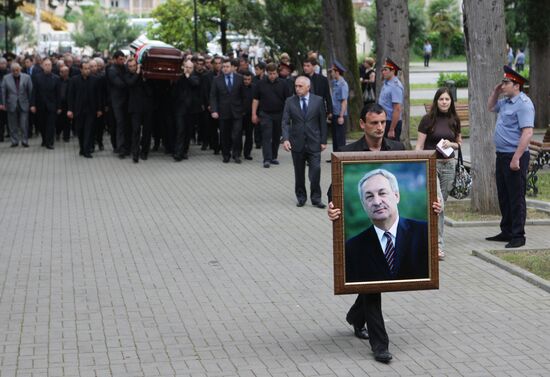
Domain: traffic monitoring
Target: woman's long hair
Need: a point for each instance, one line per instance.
(454, 121)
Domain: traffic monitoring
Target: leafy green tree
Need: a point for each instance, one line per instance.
(175, 23)
(104, 30)
(445, 20)
(17, 32)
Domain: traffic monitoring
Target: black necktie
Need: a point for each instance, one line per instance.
(229, 83)
(390, 252)
(304, 106)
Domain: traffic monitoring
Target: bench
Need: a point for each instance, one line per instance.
(462, 111)
(539, 156)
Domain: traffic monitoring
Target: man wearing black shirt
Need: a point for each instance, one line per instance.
(45, 102)
(319, 83)
(84, 106)
(63, 125)
(119, 102)
(248, 127)
(269, 97)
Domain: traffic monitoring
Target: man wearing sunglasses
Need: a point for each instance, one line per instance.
(514, 129)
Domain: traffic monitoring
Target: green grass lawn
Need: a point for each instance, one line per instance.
(461, 211)
(423, 86)
(543, 185)
(535, 261)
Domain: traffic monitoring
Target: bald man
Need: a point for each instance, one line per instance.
(305, 136)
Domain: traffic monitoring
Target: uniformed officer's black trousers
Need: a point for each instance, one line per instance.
(368, 309)
(511, 189)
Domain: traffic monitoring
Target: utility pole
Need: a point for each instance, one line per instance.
(195, 31)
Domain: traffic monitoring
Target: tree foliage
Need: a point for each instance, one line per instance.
(18, 34)
(102, 30)
(444, 20)
(175, 23)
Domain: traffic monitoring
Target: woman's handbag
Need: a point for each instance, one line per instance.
(462, 184)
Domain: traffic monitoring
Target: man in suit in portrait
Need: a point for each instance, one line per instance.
(227, 104)
(16, 97)
(393, 247)
(304, 129)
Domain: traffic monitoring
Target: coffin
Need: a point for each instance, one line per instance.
(160, 61)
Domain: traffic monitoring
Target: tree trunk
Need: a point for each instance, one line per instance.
(340, 43)
(539, 80)
(485, 52)
(392, 40)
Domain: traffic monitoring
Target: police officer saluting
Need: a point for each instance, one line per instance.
(514, 129)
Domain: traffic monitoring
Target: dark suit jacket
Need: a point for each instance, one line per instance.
(229, 105)
(308, 133)
(365, 260)
(117, 86)
(140, 94)
(84, 95)
(45, 93)
(186, 94)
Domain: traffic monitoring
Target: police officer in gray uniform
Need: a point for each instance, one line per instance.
(391, 98)
(514, 129)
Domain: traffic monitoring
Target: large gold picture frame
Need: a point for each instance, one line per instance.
(359, 264)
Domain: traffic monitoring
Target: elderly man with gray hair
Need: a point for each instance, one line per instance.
(15, 100)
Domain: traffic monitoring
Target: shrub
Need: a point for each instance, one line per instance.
(460, 79)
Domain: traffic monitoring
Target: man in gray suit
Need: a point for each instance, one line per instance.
(15, 99)
(305, 135)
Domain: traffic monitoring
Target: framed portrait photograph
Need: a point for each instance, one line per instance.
(386, 237)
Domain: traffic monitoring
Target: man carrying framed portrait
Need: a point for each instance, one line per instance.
(376, 247)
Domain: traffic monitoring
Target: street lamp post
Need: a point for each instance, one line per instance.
(195, 31)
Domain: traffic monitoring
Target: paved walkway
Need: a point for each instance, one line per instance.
(200, 268)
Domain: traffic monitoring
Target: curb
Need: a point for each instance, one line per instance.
(514, 270)
(468, 224)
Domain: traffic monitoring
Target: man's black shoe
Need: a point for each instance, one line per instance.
(25, 145)
(249, 158)
(320, 205)
(178, 158)
(143, 156)
(204, 147)
(13, 145)
(237, 160)
(383, 356)
(266, 164)
(500, 238)
(225, 160)
(135, 159)
(50, 147)
(216, 152)
(185, 156)
(87, 155)
(275, 162)
(300, 203)
(101, 147)
(516, 242)
(360, 332)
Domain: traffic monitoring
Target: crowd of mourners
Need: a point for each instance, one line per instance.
(63, 96)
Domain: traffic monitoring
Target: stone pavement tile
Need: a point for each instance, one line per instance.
(141, 270)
